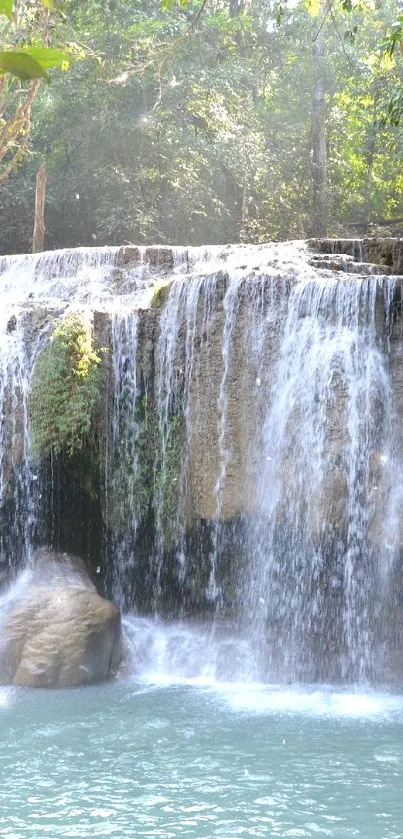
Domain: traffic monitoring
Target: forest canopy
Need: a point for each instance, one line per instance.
(210, 122)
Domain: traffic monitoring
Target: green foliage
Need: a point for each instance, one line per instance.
(147, 462)
(394, 109)
(183, 133)
(22, 65)
(6, 7)
(394, 36)
(65, 388)
(149, 467)
(32, 62)
(26, 56)
(168, 465)
(145, 423)
(132, 490)
(170, 4)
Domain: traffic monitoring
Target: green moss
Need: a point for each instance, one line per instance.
(159, 293)
(65, 388)
(148, 463)
(169, 465)
(131, 487)
(144, 442)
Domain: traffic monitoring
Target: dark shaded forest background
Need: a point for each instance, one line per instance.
(212, 123)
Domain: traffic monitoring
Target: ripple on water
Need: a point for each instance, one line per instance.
(197, 762)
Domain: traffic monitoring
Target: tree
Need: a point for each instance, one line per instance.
(319, 140)
(196, 125)
(26, 29)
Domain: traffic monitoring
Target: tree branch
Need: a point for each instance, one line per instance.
(19, 122)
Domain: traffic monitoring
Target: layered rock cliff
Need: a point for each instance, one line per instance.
(244, 454)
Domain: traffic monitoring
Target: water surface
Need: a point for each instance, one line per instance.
(130, 759)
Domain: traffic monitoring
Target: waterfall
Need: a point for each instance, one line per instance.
(246, 455)
(17, 476)
(35, 290)
(186, 314)
(327, 453)
(123, 462)
(230, 305)
(320, 532)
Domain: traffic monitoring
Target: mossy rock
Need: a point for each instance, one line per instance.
(65, 388)
(160, 292)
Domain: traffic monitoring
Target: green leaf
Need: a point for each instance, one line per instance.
(21, 65)
(49, 4)
(32, 62)
(166, 5)
(313, 7)
(47, 57)
(6, 7)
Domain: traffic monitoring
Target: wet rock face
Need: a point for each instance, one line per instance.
(56, 631)
(367, 256)
(215, 407)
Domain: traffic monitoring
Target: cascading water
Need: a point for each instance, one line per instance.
(122, 455)
(35, 291)
(187, 311)
(249, 466)
(17, 479)
(326, 458)
(230, 305)
(313, 544)
(244, 475)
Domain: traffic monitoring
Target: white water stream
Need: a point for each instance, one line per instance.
(301, 358)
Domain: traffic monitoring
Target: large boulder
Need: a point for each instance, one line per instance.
(55, 629)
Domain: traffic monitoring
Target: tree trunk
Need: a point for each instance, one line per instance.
(319, 151)
(371, 155)
(39, 224)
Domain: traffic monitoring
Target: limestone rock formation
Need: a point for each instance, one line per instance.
(250, 410)
(56, 631)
